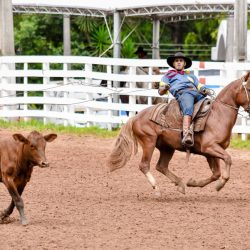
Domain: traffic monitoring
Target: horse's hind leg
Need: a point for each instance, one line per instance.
(214, 164)
(162, 166)
(148, 149)
(215, 150)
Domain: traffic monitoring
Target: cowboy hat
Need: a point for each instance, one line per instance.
(170, 60)
(140, 50)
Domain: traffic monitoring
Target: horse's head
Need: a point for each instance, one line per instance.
(243, 95)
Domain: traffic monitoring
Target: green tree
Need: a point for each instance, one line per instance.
(202, 34)
(38, 34)
(128, 49)
(100, 41)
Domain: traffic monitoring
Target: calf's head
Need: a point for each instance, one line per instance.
(34, 147)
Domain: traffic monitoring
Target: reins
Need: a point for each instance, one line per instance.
(227, 105)
(243, 83)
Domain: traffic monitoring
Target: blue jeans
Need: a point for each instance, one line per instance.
(187, 99)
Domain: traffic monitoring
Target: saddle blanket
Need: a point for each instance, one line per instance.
(169, 115)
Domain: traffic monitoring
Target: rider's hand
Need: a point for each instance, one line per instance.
(206, 92)
(163, 88)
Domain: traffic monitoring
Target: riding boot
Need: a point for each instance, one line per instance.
(187, 139)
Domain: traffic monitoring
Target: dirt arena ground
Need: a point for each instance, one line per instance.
(76, 204)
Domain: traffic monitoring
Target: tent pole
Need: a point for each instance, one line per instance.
(240, 26)
(6, 29)
(156, 38)
(116, 50)
(66, 36)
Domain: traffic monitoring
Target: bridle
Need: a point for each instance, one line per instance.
(248, 101)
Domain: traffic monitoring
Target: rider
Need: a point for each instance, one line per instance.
(141, 53)
(185, 87)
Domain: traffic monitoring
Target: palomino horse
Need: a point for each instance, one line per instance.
(210, 143)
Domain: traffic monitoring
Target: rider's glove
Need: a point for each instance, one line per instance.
(163, 88)
(206, 92)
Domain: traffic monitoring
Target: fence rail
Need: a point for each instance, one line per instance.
(69, 90)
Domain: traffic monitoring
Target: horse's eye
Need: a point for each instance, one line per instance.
(32, 146)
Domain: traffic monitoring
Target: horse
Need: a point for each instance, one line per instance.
(210, 143)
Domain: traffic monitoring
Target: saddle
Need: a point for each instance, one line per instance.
(169, 115)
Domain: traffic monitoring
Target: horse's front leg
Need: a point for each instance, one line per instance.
(217, 151)
(214, 164)
(162, 166)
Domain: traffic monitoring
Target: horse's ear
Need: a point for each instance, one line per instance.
(247, 76)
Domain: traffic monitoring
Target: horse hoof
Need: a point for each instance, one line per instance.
(157, 192)
(191, 183)
(24, 222)
(181, 189)
(219, 186)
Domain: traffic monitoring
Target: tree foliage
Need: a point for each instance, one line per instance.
(204, 33)
(38, 34)
(43, 35)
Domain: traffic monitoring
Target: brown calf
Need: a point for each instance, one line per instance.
(17, 159)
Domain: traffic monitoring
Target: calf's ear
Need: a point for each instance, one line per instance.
(21, 138)
(50, 137)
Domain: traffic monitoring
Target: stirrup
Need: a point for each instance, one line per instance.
(188, 139)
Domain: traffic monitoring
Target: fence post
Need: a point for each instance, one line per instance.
(231, 72)
(109, 85)
(224, 76)
(196, 72)
(132, 99)
(243, 124)
(4, 80)
(25, 93)
(45, 83)
(88, 81)
(67, 108)
(150, 72)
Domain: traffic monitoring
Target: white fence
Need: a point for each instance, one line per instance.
(68, 90)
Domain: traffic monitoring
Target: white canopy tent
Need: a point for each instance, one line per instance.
(128, 7)
(169, 10)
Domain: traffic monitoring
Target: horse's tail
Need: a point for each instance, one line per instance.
(125, 145)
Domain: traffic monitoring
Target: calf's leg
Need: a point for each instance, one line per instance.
(8, 211)
(16, 198)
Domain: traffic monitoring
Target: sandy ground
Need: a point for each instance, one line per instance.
(76, 204)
